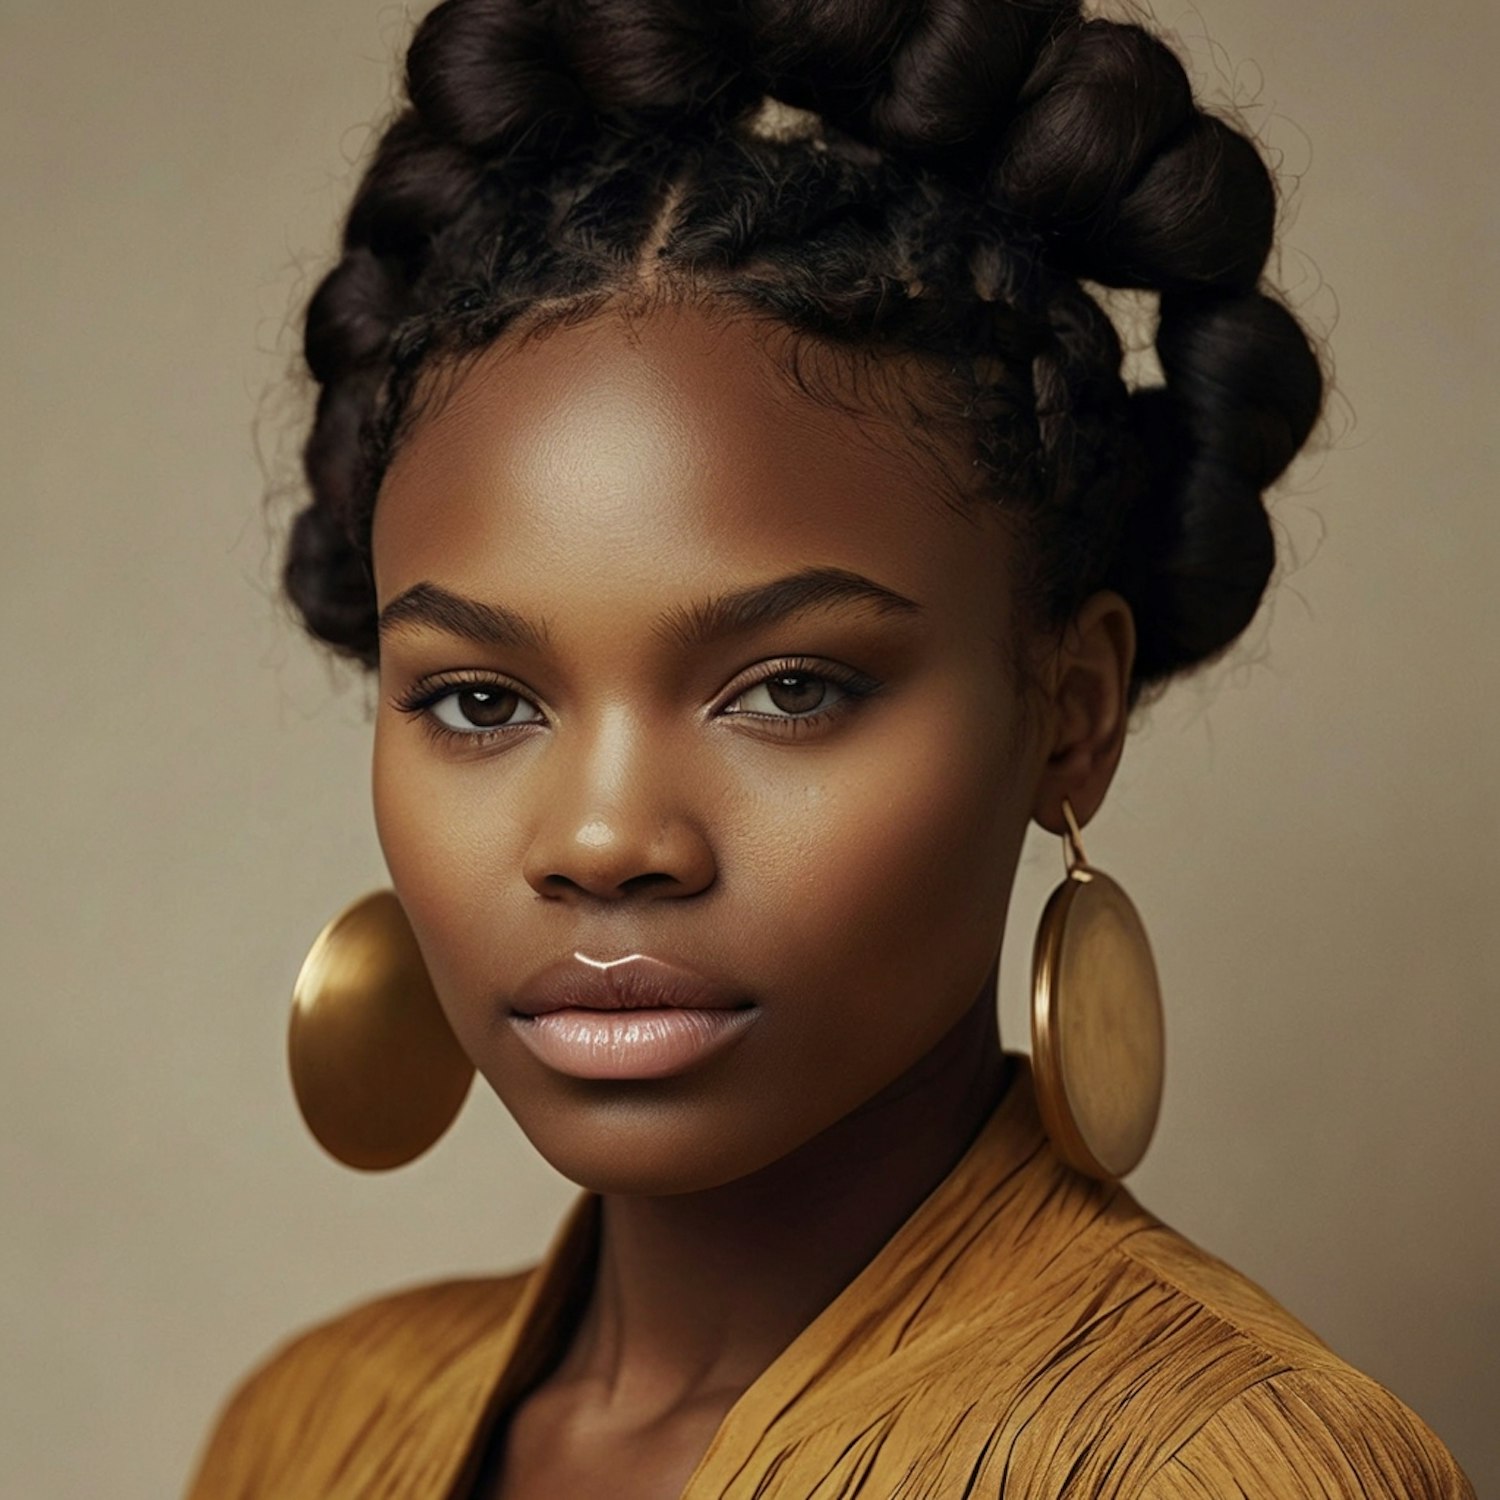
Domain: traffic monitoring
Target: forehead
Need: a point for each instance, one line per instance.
(659, 452)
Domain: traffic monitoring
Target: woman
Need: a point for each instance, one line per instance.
(724, 467)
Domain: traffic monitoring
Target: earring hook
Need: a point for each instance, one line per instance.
(1073, 855)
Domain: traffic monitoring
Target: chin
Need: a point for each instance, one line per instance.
(654, 1137)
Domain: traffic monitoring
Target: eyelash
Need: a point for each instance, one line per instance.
(855, 687)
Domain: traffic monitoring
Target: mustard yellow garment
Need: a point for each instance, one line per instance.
(1026, 1333)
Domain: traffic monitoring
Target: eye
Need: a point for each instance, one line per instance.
(468, 708)
(796, 694)
(482, 707)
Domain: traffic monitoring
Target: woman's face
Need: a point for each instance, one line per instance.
(601, 733)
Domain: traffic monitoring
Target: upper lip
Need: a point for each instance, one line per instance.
(633, 982)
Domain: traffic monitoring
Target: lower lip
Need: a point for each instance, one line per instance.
(647, 1043)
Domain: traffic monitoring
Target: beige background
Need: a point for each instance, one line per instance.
(1311, 833)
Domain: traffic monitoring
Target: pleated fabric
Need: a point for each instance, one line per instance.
(1027, 1333)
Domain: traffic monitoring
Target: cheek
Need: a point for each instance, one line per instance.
(899, 873)
(446, 847)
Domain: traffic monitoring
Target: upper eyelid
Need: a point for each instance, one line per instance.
(442, 683)
(847, 681)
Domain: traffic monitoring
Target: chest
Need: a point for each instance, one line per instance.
(548, 1447)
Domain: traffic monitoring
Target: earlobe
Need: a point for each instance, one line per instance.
(1090, 707)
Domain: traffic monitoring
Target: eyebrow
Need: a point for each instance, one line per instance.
(762, 603)
(737, 613)
(431, 605)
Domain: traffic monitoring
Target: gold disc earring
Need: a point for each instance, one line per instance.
(1097, 1038)
(376, 1069)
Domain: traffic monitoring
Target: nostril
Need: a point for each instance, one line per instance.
(648, 881)
(651, 882)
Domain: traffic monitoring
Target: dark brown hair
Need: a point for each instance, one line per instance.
(975, 163)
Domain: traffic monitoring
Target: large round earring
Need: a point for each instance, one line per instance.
(376, 1069)
(1097, 1039)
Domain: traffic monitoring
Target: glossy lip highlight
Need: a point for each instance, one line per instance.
(631, 1017)
(634, 982)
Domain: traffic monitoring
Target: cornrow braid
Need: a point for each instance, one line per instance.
(934, 177)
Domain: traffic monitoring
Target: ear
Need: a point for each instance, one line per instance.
(1088, 693)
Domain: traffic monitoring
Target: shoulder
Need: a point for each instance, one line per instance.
(1295, 1420)
(304, 1406)
(1314, 1433)
(395, 1337)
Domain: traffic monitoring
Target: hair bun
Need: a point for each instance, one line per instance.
(1099, 104)
(1244, 370)
(958, 72)
(508, 75)
(348, 319)
(485, 76)
(821, 55)
(1244, 389)
(328, 582)
(672, 57)
(1134, 186)
(413, 188)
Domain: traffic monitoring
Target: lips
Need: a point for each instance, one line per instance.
(635, 982)
(627, 1018)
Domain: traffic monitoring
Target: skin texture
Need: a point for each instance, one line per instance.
(844, 861)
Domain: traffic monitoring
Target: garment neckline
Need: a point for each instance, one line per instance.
(1011, 1138)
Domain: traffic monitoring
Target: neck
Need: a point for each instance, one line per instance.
(696, 1293)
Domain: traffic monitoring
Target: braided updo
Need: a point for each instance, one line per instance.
(933, 176)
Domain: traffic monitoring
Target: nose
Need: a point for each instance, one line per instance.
(615, 823)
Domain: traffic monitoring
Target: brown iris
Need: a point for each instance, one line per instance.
(796, 692)
(487, 708)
